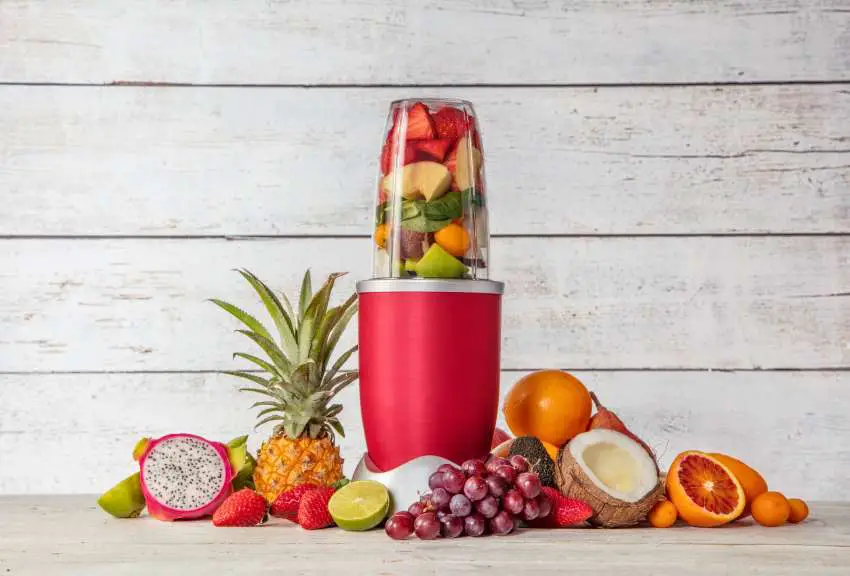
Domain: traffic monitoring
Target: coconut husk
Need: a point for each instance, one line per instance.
(608, 512)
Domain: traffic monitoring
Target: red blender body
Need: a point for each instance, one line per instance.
(429, 368)
(429, 319)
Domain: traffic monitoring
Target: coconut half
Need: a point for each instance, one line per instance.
(612, 473)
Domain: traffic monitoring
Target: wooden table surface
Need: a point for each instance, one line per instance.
(70, 535)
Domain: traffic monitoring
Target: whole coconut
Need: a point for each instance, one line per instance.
(575, 478)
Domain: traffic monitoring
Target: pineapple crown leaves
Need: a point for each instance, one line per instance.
(297, 380)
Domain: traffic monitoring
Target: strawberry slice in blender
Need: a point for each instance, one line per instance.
(418, 151)
(386, 156)
(434, 150)
(451, 164)
(420, 130)
(411, 154)
(450, 123)
(420, 125)
(451, 161)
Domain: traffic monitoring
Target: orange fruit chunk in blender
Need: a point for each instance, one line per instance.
(454, 239)
(704, 491)
(381, 233)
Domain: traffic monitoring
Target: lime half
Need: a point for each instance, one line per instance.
(125, 499)
(359, 505)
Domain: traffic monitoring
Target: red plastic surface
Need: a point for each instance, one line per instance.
(429, 374)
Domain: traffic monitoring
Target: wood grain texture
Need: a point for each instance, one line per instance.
(791, 426)
(70, 535)
(745, 303)
(432, 42)
(181, 161)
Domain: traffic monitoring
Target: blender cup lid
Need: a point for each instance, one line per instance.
(430, 285)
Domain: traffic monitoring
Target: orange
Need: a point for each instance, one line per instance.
(454, 239)
(704, 491)
(551, 450)
(799, 510)
(550, 404)
(381, 233)
(663, 514)
(752, 482)
(771, 509)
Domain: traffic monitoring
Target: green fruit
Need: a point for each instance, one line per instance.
(398, 268)
(125, 499)
(243, 463)
(437, 263)
(140, 448)
(410, 264)
(340, 483)
(359, 506)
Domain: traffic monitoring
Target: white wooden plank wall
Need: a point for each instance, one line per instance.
(671, 208)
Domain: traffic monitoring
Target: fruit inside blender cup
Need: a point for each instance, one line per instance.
(431, 218)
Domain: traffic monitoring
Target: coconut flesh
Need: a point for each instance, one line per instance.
(612, 473)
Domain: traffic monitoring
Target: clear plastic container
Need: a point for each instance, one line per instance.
(431, 209)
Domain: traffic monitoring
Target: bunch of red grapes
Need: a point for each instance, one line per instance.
(476, 499)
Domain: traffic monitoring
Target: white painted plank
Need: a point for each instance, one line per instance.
(432, 42)
(73, 433)
(573, 302)
(178, 161)
(39, 541)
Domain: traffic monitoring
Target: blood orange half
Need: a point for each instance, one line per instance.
(704, 491)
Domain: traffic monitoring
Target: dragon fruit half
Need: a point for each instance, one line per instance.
(184, 476)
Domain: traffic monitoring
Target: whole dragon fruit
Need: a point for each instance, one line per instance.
(184, 476)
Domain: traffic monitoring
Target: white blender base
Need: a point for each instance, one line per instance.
(405, 483)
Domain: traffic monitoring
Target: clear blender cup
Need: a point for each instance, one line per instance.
(430, 318)
(431, 213)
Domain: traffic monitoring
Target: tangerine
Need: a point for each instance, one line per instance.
(704, 491)
(663, 514)
(799, 510)
(751, 481)
(454, 239)
(552, 405)
(771, 509)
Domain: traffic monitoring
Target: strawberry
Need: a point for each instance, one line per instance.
(433, 150)
(450, 123)
(390, 143)
(451, 161)
(242, 508)
(420, 125)
(410, 152)
(386, 157)
(451, 164)
(416, 151)
(286, 504)
(313, 509)
(565, 511)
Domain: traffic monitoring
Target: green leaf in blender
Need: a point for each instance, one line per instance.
(422, 216)
(447, 207)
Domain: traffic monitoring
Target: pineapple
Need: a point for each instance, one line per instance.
(298, 384)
